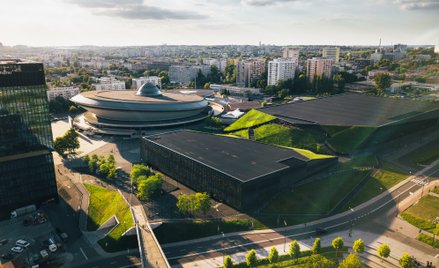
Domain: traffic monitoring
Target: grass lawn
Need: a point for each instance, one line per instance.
(423, 213)
(250, 119)
(424, 155)
(428, 240)
(317, 197)
(349, 140)
(381, 180)
(105, 203)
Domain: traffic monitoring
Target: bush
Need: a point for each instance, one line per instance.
(251, 258)
(139, 170)
(228, 263)
(294, 250)
(273, 256)
(316, 248)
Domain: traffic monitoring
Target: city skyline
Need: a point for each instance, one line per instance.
(221, 22)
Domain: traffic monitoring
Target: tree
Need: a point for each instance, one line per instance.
(358, 246)
(406, 261)
(139, 170)
(273, 256)
(202, 202)
(294, 250)
(318, 261)
(228, 263)
(230, 73)
(67, 143)
(104, 169)
(149, 187)
(383, 251)
(316, 247)
(184, 204)
(251, 258)
(337, 244)
(351, 261)
(86, 158)
(198, 202)
(382, 82)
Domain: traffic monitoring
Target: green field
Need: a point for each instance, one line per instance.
(104, 204)
(350, 139)
(423, 213)
(276, 134)
(379, 181)
(317, 197)
(250, 119)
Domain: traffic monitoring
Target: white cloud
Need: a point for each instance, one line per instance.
(417, 4)
(263, 2)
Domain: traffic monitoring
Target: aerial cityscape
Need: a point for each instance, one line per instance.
(247, 133)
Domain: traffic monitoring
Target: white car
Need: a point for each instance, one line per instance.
(53, 247)
(17, 249)
(22, 243)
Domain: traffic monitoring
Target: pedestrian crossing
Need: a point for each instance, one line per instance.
(420, 182)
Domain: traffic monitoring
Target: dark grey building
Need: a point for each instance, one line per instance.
(26, 165)
(240, 172)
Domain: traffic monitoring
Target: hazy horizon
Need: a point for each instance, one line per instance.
(55, 23)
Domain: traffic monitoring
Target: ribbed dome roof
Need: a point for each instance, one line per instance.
(149, 90)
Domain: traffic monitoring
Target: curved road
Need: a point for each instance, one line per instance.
(215, 246)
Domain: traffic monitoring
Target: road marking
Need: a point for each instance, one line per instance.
(131, 265)
(83, 254)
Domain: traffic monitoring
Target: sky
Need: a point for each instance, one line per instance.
(218, 22)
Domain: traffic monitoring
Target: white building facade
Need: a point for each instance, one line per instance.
(65, 92)
(109, 83)
(280, 69)
(138, 82)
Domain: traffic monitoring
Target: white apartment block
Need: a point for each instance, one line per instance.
(138, 82)
(436, 49)
(249, 71)
(291, 53)
(318, 67)
(109, 83)
(332, 53)
(65, 92)
(280, 69)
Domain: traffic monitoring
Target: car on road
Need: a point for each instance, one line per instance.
(17, 249)
(22, 243)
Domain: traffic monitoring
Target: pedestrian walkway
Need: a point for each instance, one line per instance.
(151, 252)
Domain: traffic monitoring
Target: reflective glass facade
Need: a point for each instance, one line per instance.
(26, 164)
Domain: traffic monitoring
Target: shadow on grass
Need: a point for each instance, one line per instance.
(123, 243)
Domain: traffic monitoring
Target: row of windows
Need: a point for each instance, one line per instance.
(25, 123)
(27, 181)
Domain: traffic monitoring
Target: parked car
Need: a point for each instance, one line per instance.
(321, 231)
(64, 236)
(17, 249)
(22, 243)
(53, 248)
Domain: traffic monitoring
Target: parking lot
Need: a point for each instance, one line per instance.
(45, 246)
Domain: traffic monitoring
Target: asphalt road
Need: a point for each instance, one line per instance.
(234, 244)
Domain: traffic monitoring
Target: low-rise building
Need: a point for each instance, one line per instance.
(109, 83)
(65, 92)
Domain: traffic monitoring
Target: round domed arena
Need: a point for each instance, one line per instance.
(127, 112)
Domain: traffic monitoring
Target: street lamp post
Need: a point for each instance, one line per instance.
(285, 237)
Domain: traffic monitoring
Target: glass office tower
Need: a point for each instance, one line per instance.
(26, 165)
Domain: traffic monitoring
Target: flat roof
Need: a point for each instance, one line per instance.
(350, 109)
(241, 159)
(130, 96)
